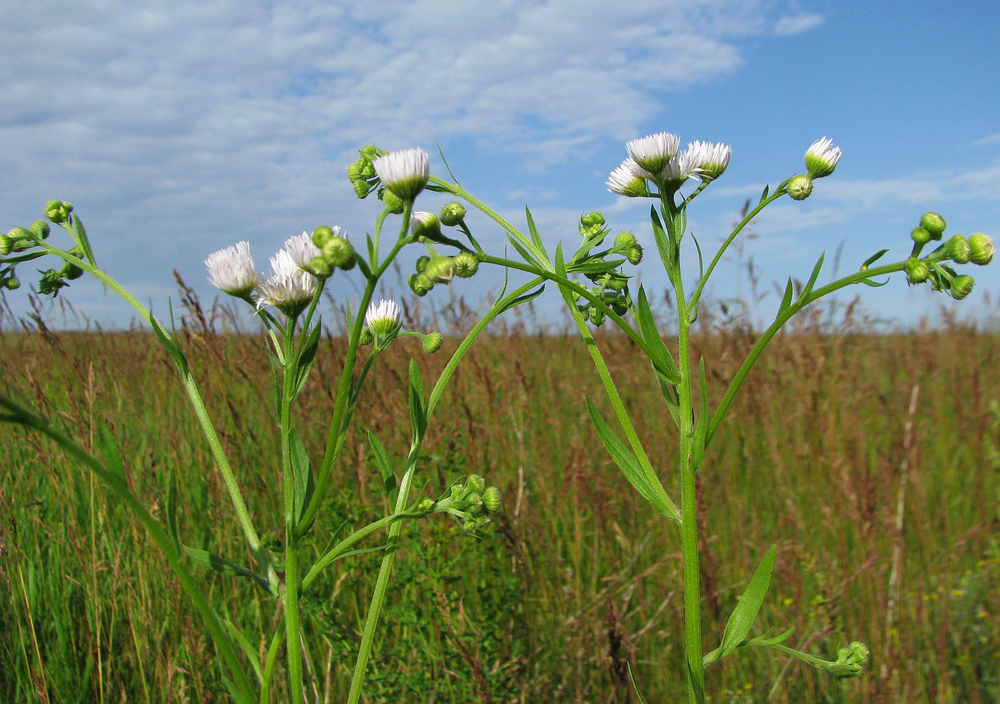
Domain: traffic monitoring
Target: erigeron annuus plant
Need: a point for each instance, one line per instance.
(656, 169)
(286, 303)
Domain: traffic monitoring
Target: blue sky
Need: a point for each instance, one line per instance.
(179, 128)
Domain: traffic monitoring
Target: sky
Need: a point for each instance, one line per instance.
(179, 128)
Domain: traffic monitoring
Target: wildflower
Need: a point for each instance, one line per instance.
(822, 158)
(302, 249)
(232, 270)
(628, 180)
(712, 159)
(424, 224)
(654, 152)
(289, 288)
(383, 318)
(682, 167)
(404, 173)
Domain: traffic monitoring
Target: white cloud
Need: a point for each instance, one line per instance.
(797, 24)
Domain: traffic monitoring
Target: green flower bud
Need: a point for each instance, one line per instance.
(961, 286)
(57, 211)
(625, 241)
(40, 229)
(419, 284)
(592, 219)
(959, 250)
(422, 263)
(615, 281)
(370, 152)
(981, 249)
(432, 342)
(920, 235)
(367, 337)
(597, 316)
(320, 267)
(12, 283)
(338, 253)
(426, 504)
(934, 224)
(916, 270)
(426, 224)
(475, 483)
(634, 254)
(393, 203)
(19, 233)
(6, 244)
(321, 235)
(362, 189)
(851, 660)
(799, 187)
(452, 214)
(440, 270)
(354, 171)
(492, 499)
(466, 265)
(72, 272)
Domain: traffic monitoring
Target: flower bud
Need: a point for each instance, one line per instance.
(424, 224)
(961, 286)
(615, 281)
(426, 504)
(440, 270)
(338, 253)
(362, 189)
(12, 283)
(466, 265)
(6, 244)
(981, 249)
(393, 203)
(19, 233)
(432, 342)
(920, 235)
(475, 483)
(916, 270)
(597, 316)
(57, 211)
(492, 499)
(625, 240)
(851, 660)
(40, 229)
(959, 250)
(323, 234)
(366, 338)
(370, 152)
(383, 318)
(934, 224)
(634, 254)
(320, 267)
(419, 284)
(452, 214)
(822, 158)
(799, 187)
(422, 263)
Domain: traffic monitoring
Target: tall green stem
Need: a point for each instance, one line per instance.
(291, 595)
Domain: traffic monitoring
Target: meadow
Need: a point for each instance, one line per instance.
(870, 459)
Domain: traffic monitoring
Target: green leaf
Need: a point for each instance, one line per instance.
(626, 460)
(873, 258)
(745, 613)
(662, 241)
(535, 237)
(385, 468)
(108, 448)
(224, 566)
(524, 298)
(598, 266)
(874, 284)
(418, 416)
(787, 298)
(246, 647)
(529, 258)
(763, 196)
(701, 429)
(812, 277)
(302, 475)
(305, 361)
(173, 527)
(659, 355)
(82, 240)
(642, 699)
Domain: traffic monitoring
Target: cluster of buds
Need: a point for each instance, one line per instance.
(471, 502)
(398, 176)
(976, 249)
(333, 251)
(611, 286)
(441, 269)
(19, 240)
(362, 172)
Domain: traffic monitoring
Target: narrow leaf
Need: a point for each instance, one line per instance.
(418, 418)
(108, 448)
(642, 699)
(173, 526)
(224, 566)
(248, 650)
(303, 476)
(812, 277)
(702, 427)
(873, 258)
(306, 358)
(530, 259)
(763, 196)
(384, 467)
(659, 355)
(787, 298)
(83, 240)
(745, 613)
(535, 237)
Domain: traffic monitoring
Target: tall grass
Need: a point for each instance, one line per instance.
(866, 458)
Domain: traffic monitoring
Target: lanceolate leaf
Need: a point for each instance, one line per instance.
(745, 613)
(418, 417)
(812, 278)
(659, 354)
(108, 448)
(306, 358)
(384, 467)
(224, 566)
(303, 476)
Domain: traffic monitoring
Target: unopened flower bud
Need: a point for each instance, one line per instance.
(393, 203)
(625, 240)
(466, 265)
(440, 270)
(961, 286)
(320, 267)
(916, 270)
(597, 316)
(475, 483)
(19, 233)
(366, 338)
(425, 224)
(492, 499)
(799, 187)
(920, 235)
(615, 281)
(934, 224)
(323, 234)
(452, 214)
(40, 229)
(426, 504)
(58, 211)
(959, 250)
(419, 284)
(634, 254)
(362, 189)
(851, 660)
(422, 263)
(338, 253)
(370, 152)
(822, 158)
(432, 342)
(12, 283)
(6, 244)
(981, 248)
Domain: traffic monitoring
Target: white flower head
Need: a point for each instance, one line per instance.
(682, 167)
(383, 318)
(232, 270)
(289, 288)
(712, 158)
(404, 173)
(653, 153)
(822, 158)
(301, 249)
(628, 180)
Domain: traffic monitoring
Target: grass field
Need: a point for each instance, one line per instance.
(870, 460)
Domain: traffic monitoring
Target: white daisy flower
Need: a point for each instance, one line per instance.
(712, 158)
(302, 249)
(289, 288)
(628, 180)
(681, 168)
(653, 153)
(404, 173)
(383, 318)
(232, 270)
(822, 158)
